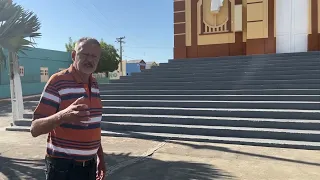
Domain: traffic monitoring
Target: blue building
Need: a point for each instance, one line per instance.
(35, 69)
(134, 66)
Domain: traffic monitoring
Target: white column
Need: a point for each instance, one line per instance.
(15, 88)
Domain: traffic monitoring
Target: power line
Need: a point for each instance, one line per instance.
(149, 47)
(88, 17)
(129, 57)
(98, 10)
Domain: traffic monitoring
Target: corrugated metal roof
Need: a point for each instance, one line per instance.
(136, 61)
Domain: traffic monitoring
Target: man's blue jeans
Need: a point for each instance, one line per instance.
(64, 169)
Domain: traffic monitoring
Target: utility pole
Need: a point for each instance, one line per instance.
(121, 42)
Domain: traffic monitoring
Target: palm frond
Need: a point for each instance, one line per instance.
(7, 27)
(17, 25)
(6, 11)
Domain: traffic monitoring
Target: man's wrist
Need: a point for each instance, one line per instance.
(59, 118)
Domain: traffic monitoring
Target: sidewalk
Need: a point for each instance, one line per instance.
(21, 157)
(6, 109)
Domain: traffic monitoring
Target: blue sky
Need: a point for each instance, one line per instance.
(146, 24)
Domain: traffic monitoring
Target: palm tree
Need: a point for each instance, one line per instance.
(16, 24)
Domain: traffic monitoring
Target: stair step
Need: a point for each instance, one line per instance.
(235, 71)
(19, 128)
(108, 96)
(196, 78)
(307, 105)
(243, 57)
(221, 131)
(259, 60)
(217, 112)
(241, 66)
(28, 116)
(231, 72)
(302, 124)
(214, 139)
(214, 97)
(213, 92)
(233, 82)
(248, 63)
(210, 86)
(215, 121)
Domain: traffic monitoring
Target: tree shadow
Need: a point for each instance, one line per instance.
(185, 142)
(216, 148)
(146, 168)
(16, 169)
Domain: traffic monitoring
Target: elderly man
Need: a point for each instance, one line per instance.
(70, 111)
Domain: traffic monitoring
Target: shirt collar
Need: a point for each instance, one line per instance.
(75, 74)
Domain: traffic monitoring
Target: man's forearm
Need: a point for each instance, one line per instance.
(45, 125)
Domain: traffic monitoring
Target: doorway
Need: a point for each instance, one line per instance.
(292, 25)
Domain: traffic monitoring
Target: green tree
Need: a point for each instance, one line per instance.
(109, 60)
(70, 45)
(16, 24)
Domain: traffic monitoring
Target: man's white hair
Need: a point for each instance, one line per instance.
(86, 40)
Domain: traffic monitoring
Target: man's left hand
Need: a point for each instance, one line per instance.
(101, 168)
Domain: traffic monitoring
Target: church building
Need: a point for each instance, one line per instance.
(211, 28)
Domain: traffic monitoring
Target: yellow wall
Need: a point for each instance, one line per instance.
(257, 19)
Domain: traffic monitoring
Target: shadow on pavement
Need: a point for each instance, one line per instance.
(183, 141)
(216, 148)
(154, 169)
(148, 169)
(16, 169)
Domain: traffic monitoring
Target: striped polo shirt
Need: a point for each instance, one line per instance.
(69, 140)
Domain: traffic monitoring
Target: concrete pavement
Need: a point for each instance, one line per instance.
(21, 157)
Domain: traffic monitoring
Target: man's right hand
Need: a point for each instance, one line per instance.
(76, 112)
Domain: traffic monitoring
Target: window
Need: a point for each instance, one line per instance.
(44, 74)
(21, 71)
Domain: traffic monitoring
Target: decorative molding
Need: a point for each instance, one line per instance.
(206, 28)
(179, 34)
(254, 21)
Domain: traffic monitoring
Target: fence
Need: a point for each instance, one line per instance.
(101, 78)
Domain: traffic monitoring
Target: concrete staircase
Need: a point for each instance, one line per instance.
(266, 100)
